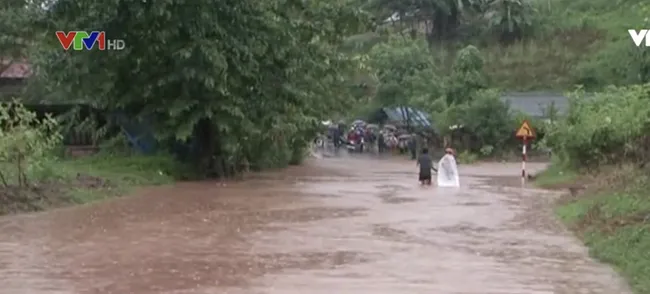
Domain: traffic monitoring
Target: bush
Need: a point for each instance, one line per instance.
(617, 63)
(25, 142)
(486, 120)
(467, 157)
(610, 127)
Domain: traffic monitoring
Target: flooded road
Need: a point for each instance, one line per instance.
(336, 225)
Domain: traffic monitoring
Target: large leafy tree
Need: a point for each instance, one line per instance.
(405, 72)
(509, 19)
(15, 32)
(250, 79)
(467, 76)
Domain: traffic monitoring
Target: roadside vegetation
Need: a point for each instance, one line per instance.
(226, 97)
(35, 174)
(600, 147)
(220, 97)
(601, 153)
(526, 45)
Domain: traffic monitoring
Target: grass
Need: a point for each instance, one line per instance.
(536, 64)
(466, 157)
(572, 42)
(65, 181)
(120, 173)
(615, 227)
(556, 175)
(540, 63)
(613, 222)
(571, 39)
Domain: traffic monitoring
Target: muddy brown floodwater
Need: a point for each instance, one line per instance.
(335, 225)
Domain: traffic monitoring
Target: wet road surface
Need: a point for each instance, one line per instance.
(344, 226)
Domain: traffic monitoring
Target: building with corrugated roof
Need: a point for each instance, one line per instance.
(537, 104)
(402, 115)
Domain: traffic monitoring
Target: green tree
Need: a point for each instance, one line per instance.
(509, 19)
(16, 33)
(467, 76)
(405, 73)
(488, 119)
(249, 80)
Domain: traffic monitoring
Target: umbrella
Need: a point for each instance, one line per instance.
(372, 126)
(404, 137)
(390, 127)
(359, 122)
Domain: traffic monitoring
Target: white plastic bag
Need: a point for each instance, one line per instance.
(448, 172)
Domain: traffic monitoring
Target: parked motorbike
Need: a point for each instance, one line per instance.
(356, 141)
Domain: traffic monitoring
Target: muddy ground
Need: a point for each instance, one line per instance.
(336, 225)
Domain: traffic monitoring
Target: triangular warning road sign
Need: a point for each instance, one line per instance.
(525, 131)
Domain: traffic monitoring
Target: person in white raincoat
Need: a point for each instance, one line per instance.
(448, 170)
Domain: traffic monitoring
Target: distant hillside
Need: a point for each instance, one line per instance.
(572, 42)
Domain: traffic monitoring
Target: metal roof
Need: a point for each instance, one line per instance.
(535, 104)
(416, 117)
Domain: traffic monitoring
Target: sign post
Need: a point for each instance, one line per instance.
(525, 133)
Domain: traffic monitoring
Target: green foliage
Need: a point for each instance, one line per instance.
(467, 76)
(598, 29)
(122, 170)
(101, 176)
(556, 175)
(619, 62)
(534, 45)
(405, 72)
(467, 157)
(253, 78)
(486, 119)
(26, 142)
(406, 76)
(614, 225)
(510, 19)
(541, 64)
(131, 169)
(610, 127)
(16, 33)
(448, 19)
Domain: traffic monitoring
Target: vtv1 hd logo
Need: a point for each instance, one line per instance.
(82, 40)
(639, 36)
